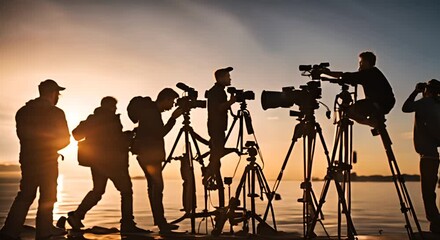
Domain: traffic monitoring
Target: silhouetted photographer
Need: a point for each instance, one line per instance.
(218, 106)
(379, 97)
(426, 143)
(149, 144)
(103, 147)
(42, 130)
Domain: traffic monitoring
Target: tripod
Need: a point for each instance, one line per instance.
(339, 170)
(406, 206)
(252, 174)
(187, 171)
(307, 128)
(244, 117)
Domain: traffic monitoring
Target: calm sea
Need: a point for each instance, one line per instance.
(375, 207)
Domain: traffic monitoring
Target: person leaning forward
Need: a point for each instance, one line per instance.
(379, 96)
(150, 147)
(107, 151)
(42, 130)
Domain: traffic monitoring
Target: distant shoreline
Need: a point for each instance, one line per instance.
(378, 178)
(354, 177)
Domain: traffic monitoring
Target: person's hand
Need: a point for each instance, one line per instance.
(177, 112)
(420, 87)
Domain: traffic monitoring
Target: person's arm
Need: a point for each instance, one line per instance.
(409, 104)
(226, 105)
(170, 124)
(81, 131)
(61, 136)
(329, 73)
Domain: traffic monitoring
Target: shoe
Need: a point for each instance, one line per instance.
(167, 227)
(74, 221)
(58, 231)
(126, 229)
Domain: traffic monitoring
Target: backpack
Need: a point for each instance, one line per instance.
(85, 154)
(136, 106)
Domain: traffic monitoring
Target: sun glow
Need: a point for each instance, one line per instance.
(60, 197)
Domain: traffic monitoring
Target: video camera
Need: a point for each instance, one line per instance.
(314, 71)
(240, 94)
(190, 100)
(305, 97)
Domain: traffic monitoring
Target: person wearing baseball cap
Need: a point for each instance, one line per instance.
(218, 106)
(42, 131)
(426, 143)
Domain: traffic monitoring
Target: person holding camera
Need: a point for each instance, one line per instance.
(107, 157)
(42, 130)
(379, 96)
(218, 106)
(150, 147)
(426, 143)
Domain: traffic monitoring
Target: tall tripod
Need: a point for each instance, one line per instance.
(244, 117)
(252, 174)
(187, 171)
(340, 166)
(406, 206)
(307, 129)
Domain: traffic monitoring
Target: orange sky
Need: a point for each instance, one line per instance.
(137, 49)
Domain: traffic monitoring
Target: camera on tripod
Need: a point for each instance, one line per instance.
(190, 100)
(251, 147)
(240, 94)
(314, 71)
(305, 97)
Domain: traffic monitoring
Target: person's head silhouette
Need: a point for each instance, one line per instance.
(109, 103)
(223, 77)
(50, 90)
(165, 99)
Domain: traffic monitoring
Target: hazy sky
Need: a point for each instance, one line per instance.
(129, 48)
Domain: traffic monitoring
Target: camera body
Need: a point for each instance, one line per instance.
(240, 94)
(189, 101)
(314, 71)
(305, 97)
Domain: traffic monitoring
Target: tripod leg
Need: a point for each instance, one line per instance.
(264, 186)
(173, 148)
(399, 183)
(232, 127)
(350, 225)
(280, 175)
(228, 212)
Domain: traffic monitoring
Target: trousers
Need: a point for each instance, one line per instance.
(122, 182)
(429, 177)
(153, 174)
(43, 177)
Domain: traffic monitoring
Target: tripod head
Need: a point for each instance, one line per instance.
(252, 150)
(345, 98)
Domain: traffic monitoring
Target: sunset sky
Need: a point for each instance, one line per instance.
(131, 48)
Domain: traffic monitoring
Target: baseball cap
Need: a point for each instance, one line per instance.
(222, 71)
(49, 85)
